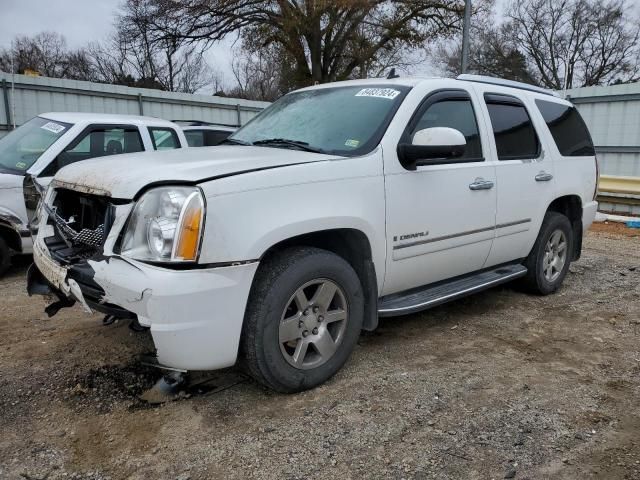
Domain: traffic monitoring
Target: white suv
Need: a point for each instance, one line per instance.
(338, 204)
(33, 153)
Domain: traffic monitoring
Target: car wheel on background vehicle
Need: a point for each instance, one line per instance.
(549, 260)
(5, 256)
(303, 319)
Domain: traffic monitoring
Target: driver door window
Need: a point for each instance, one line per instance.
(454, 113)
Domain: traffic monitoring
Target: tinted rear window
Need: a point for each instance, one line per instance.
(205, 138)
(567, 128)
(513, 131)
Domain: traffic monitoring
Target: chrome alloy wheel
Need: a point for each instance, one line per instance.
(313, 324)
(555, 256)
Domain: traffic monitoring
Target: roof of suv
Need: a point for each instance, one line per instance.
(81, 117)
(215, 128)
(516, 87)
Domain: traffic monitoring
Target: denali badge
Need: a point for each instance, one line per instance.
(410, 236)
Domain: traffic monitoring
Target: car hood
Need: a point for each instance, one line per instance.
(123, 176)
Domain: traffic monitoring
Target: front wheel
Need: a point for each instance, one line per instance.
(549, 260)
(303, 319)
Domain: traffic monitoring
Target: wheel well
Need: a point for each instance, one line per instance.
(353, 246)
(11, 238)
(571, 207)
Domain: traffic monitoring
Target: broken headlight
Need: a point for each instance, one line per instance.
(166, 226)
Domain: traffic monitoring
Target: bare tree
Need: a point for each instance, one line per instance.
(47, 54)
(574, 43)
(326, 40)
(492, 53)
(259, 73)
(133, 55)
(130, 57)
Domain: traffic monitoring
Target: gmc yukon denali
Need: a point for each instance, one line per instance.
(339, 204)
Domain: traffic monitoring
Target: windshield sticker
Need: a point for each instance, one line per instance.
(388, 93)
(352, 143)
(52, 127)
(21, 165)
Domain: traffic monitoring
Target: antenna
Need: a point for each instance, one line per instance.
(392, 74)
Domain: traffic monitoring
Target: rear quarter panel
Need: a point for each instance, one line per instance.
(572, 175)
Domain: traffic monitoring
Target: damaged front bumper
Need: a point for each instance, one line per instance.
(195, 316)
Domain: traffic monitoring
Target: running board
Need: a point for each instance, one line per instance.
(433, 295)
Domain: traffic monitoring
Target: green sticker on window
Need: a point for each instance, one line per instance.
(21, 165)
(352, 143)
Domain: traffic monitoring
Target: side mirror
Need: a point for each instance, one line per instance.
(432, 146)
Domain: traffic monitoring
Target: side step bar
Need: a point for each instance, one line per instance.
(430, 296)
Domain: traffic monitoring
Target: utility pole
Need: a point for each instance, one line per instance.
(464, 64)
(13, 88)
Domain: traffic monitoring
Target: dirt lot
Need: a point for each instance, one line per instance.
(500, 385)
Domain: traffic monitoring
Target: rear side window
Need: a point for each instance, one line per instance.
(512, 128)
(195, 138)
(164, 138)
(567, 129)
(215, 137)
(205, 138)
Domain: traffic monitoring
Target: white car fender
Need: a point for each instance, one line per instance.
(278, 204)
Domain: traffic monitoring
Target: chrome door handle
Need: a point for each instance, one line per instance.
(543, 177)
(480, 184)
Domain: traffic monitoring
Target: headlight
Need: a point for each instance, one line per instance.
(165, 226)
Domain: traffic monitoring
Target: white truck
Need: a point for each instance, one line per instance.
(338, 204)
(33, 153)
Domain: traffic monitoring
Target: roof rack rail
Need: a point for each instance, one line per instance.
(202, 123)
(505, 83)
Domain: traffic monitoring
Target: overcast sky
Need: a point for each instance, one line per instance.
(84, 21)
(81, 22)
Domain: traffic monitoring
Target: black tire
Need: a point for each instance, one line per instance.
(279, 277)
(5, 257)
(535, 281)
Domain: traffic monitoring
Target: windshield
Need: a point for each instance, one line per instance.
(23, 146)
(345, 121)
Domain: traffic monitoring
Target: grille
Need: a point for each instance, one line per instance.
(86, 236)
(80, 220)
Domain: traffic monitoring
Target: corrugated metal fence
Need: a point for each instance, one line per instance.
(27, 97)
(613, 116)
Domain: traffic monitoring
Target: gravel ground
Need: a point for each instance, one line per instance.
(499, 385)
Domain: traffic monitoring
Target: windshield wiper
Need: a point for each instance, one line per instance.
(233, 141)
(293, 143)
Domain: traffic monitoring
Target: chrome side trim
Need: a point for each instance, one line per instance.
(452, 296)
(461, 234)
(511, 224)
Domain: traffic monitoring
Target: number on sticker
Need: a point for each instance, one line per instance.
(389, 93)
(52, 127)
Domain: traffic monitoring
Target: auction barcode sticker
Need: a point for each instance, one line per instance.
(389, 93)
(52, 127)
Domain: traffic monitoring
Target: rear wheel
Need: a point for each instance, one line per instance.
(303, 319)
(549, 260)
(5, 256)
